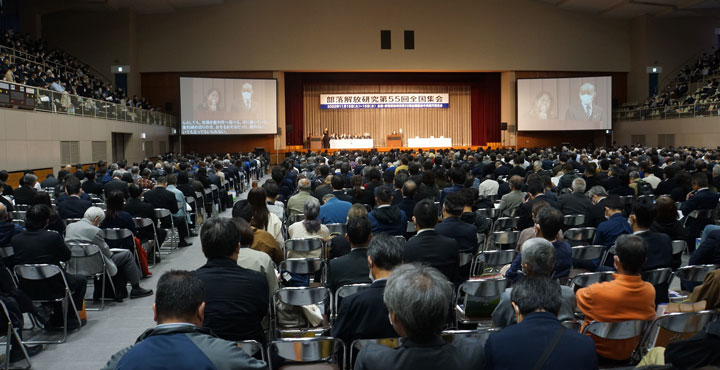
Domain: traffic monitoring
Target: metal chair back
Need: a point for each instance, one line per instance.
(116, 234)
(491, 259)
(617, 330)
(19, 215)
(580, 234)
(658, 276)
(694, 273)
(502, 240)
(483, 287)
(678, 246)
(86, 259)
(680, 324)
(68, 221)
(252, 348)
(506, 223)
(302, 296)
(492, 213)
(574, 220)
(302, 265)
(587, 252)
(337, 229)
(589, 278)
(299, 350)
(304, 245)
(346, 291)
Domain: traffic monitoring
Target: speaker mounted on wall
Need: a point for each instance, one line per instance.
(503, 126)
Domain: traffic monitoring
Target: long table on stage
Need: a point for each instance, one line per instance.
(351, 144)
(429, 142)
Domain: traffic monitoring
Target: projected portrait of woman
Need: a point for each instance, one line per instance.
(213, 101)
(543, 107)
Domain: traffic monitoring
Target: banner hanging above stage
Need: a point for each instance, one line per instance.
(381, 101)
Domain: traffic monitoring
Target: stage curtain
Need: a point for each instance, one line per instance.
(486, 110)
(452, 122)
(294, 111)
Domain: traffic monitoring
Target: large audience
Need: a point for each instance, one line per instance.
(401, 228)
(34, 63)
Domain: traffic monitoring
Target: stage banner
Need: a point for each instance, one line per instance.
(381, 101)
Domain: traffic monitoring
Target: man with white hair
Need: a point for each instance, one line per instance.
(116, 260)
(587, 110)
(296, 202)
(575, 203)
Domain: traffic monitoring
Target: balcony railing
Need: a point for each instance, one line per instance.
(667, 112)
(43, 100)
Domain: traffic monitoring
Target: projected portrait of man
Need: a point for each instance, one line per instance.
(586, 110)
(213, 101)
(544, 107)
(246, 105)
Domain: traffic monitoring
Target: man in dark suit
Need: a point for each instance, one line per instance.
(236, 299)
(417, 298)
(116, 184)
(73, 206)
(537, 302)
(6, 189)
(26, 192)
(666, 186)
(586, 108)
(90, 186)
(597, 211)
(453, 227)
(659, 245)
(701, 198)
(137, 208)
(408, 202)
(535, 191)
(39, 246)
(576, 203)
(159, 197)
(337, 183)
(352, 268)
(363, 315)
(428, 246)
(49, 182)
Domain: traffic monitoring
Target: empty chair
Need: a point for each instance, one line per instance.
(587, 252)
(315, 351)
(589, 278)
(301, 296)
(574, 220)
(141, 223)
(492, 213)
(163, 214)
(658, 276)
(502, 240)
(670, 327)
(580, 235)
(505, 223)
(491, 261)
(678, 246)
(46, 283)
(11, 335)
(473, 299)
(692, 275)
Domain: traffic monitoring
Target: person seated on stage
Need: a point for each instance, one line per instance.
(417, 298)
(387, 218)
(123, 261)
(179, 341)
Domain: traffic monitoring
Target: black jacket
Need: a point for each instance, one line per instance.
(236, 300)
(24, 194)
(40, 246)
(161, 198)
(433, 249)
(432, 354)
(349, 269)
(659, 255)
(364, 316)
(73, 207)
(525, 211)
(92, 187)
(116, 185)
(575, 204)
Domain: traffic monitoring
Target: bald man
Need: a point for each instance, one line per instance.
(296, 202)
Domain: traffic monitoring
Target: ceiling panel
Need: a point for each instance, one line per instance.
(586, 5)
(632, 10)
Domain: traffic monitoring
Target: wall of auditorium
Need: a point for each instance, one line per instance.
(698, 132)
(30, 140)
(327, 35)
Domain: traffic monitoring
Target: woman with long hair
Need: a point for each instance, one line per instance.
(262, 218)
(310, 227)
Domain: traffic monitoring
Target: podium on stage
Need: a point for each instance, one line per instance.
(394, 141)
(316, 142)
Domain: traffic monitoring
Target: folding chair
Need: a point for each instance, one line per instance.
(201, 207)
(621, 330)
(193, 211)
(295, 218)
(209, 201)
(502, 240)
(87, 260)
(296, 351)
(692, 273)
(19, 215)
(589, 278)
(587, 252)
(346, 291)
(491, 261)
(302, 296)
(481, 335)
(410, 228)
(252, 348)
(337, 229)
(505, 224)
(676, 326)
(217, 204)
(68, 221)
(484, 291)
(574, 220)
(305, 245)
(580, 235)
(658, 276)
(45, 283)
(678, 246)
(358, 344)
(173, 236)
(700, 214)
(491, 213)
(141, 223)
(12, 332)
(306, 266)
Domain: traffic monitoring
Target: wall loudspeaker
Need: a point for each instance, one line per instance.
(503, 126)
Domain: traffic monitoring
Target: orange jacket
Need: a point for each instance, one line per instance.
(627, 297)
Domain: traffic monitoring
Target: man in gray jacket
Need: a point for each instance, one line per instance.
(514, 198)
(87, 231)
(179, 341)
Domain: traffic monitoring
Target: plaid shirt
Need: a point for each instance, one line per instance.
(144, 183)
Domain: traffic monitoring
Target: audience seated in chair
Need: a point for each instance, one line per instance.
(538, 261)
(543, 342)
(255, 260)
(417, 298)
(236, 298)
(160, 197)
(608, 231)
(627, 297)
(700, 198)
(262, 218)
(512, 200)
(137, 208)
(352, 267)
(659, 245)
(262, 240)
(576, 203)
(25, 192)
(387, 218)
(333, 210)
(73, 206)
(180, 340)
(310, 227)
(296, 202)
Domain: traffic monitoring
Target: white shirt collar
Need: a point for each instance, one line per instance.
(424, 230)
